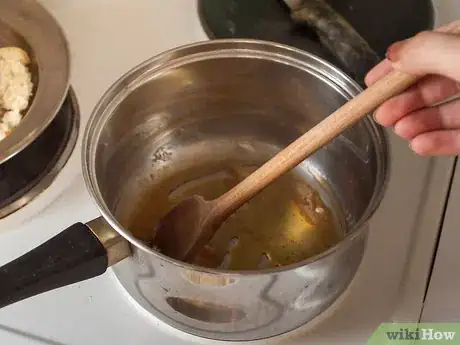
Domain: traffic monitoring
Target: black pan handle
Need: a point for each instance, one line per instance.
(337, 35)
(74, 255)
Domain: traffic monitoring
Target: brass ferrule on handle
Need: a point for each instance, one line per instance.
(117, 247)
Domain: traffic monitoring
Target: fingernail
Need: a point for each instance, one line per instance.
(394, 51)
(373, 116)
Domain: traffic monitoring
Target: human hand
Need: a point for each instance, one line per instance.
(416, 115)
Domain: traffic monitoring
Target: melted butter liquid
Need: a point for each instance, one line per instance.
(287, 222)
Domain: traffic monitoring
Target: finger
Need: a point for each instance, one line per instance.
(449, 27)
(429, 91)
(384, 67)
(444, 116)
(428, 53)
(437, 143)
(378, 71)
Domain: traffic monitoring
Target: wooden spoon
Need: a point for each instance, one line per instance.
(184, 231)
(189, 226)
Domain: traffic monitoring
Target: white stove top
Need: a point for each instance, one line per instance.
(109, 37)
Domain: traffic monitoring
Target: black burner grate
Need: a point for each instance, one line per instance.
(380, 23)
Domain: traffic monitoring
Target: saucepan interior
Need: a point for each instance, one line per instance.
(192, 112)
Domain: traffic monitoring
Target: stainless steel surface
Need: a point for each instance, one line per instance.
(205, 103)
(116, 246)
(64, 154)
(26, 24)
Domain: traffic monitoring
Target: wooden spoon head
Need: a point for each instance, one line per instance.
(185, 229)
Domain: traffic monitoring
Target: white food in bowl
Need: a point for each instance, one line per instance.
(15, 88)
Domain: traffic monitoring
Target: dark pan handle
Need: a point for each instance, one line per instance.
(337, 35)
(80, 252)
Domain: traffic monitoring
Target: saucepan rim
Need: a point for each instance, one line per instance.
(150, 68)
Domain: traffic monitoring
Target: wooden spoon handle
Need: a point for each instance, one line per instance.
(320, 135)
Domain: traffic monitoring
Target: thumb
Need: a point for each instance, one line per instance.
(428, 53)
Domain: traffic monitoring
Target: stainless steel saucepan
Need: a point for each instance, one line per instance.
(188, 112)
